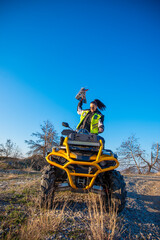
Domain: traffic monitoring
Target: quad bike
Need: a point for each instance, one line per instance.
(80, 164)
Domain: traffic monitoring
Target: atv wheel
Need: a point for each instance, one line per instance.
(115, 190)
(48, 187)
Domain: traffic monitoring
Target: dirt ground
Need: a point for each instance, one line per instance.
(139, 220)
(141, 216)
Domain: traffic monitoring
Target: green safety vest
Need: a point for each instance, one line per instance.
(94, 121)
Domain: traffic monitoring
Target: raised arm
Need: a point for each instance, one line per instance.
(79, 107)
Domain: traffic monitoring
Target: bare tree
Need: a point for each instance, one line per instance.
(7, 148)
(154, 161)
(45, 139)
(10, 149)
(17, 152)
(129, 153)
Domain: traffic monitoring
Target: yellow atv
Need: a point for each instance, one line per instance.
(81, 164)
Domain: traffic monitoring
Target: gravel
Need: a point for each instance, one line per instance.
(141, 217)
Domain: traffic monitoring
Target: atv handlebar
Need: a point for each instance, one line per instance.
(83, 131)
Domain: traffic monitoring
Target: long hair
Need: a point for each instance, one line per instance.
(99, 104)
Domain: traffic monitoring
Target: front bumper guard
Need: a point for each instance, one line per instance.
(67, 156)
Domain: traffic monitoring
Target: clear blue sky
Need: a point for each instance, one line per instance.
(50, 49)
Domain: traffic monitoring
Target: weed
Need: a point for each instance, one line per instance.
(42, 223)
(102, 224)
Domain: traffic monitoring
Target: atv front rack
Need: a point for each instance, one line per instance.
(95, 161)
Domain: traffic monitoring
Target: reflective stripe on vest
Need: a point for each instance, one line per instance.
(94, 121)
(83, 115)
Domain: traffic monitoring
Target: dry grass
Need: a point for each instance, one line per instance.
(39, 225)
(103, 224)
(158, 173)
(24, 219)
(10, 177)
(5, 166)
(29, 169)
(112, 222)
(96, 216)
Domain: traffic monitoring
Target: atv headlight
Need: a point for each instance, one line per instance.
(107, 163)
(102, 164)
